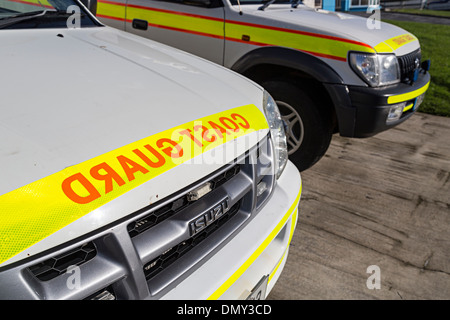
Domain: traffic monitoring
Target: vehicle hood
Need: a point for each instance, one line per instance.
(74, 95)
(70, 96)
(382, 37)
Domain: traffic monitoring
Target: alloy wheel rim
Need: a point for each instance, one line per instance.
(294, 128)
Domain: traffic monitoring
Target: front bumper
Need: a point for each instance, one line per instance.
(228, 264)
(259, 251)
(364, 112)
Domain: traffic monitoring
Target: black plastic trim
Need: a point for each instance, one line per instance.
(289, 58)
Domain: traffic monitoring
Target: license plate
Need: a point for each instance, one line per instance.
(419, 100)
(259, 291)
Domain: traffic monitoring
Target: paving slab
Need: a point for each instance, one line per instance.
(382, 201)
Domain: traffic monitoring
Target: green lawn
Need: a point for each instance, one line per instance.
(435, 43)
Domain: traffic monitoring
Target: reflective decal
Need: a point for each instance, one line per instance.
(35, 211)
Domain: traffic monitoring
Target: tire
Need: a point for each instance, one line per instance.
(309, 125)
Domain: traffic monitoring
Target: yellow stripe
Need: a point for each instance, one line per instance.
(169, 20)
(383, 47)
(294, 40)
(35, 2)
(227, 284)
(211, 27)
(397, 42)
(408, 107)
(408, 96)
(35, 211)
(177, 21)
(394, 43)
(111, 10)
(293, 224)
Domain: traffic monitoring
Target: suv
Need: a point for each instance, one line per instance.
(132, 170)
(328, 72)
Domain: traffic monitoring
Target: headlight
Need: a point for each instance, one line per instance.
(277, 133)
(376, 69)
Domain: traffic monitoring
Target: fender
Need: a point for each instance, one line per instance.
(289, 58)
(314, 67)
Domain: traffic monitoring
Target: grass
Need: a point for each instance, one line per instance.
(435, 44)
(426, 12)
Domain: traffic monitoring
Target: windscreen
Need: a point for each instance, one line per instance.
(27, 14)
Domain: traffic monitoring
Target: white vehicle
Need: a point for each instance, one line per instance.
(329, 72)
(131, 170)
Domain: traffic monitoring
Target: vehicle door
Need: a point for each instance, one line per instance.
(195, 26)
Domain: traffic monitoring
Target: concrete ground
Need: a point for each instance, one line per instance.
(382, 201)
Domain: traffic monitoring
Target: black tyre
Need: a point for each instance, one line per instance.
(309, 126)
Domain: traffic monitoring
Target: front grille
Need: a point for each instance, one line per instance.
(55, 266)
(182, 202)
(408, 63)
(171, 255)
(147, 253)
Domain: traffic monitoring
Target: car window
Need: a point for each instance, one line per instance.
(27, 14)
(198, 3)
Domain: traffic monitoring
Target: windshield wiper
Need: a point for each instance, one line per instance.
(23, 14)
(265, 5)
(296, 3)
(8, 21)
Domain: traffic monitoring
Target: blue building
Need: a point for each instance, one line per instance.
(343, 5)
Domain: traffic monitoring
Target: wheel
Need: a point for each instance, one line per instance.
(308, 123)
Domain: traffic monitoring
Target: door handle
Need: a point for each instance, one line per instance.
(139, 24)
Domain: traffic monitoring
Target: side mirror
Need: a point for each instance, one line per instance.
(91, 5)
